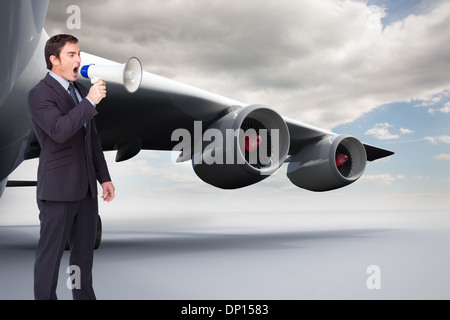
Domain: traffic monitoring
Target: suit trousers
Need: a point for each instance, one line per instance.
(60, 222)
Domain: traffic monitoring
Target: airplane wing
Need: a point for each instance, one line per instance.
(302, 134)
(161, 106)
(216, 128)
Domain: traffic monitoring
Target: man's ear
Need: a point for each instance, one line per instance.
(54, 60)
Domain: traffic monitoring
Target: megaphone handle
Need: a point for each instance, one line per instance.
(94, 80)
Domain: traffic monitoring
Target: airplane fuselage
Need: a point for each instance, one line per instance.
(21, 28)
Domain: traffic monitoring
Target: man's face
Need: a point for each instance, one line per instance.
(68, 64)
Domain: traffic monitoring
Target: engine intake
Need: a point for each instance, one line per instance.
(249, 144)
(331, 163)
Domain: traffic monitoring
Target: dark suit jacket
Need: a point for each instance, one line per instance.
(71, 156)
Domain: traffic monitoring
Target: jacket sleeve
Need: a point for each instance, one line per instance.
(44, 111)
(101, 168)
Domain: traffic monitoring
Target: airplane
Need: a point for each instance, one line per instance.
(318, 160)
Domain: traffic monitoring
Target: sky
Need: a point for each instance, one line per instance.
(377, 70)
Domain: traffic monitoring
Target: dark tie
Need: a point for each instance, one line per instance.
(73, 94)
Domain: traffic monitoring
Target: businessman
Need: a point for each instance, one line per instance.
(70, 164)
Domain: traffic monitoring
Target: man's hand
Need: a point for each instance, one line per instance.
(97, 92)
(108, 191)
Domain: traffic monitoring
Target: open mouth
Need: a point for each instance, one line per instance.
(75, 71)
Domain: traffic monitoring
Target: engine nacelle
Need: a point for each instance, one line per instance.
(248, 145)
(331, 163)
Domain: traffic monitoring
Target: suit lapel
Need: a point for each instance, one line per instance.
(63, 92)
(50, 81)
(57, 87)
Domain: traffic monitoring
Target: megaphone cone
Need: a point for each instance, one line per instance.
(129, 74)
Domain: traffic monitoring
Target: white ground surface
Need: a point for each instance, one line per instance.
(268, 255)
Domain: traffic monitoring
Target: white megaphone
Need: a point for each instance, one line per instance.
(129, 74)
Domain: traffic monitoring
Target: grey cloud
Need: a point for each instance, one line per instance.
(316, 61)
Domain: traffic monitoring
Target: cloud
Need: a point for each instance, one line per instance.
(406, 131)
(436, 140)
(437, 101)
(381, 131)
(445, 109)
(442, 156)
(133, 167)
(382, 179)
(433, 100)
(421, 177)
(322, 62)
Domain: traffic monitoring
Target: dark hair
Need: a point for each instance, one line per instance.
(55, 44)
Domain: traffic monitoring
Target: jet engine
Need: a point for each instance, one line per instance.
(331, 163)
(247, 145)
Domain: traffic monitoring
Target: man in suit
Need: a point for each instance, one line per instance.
(70, 164)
